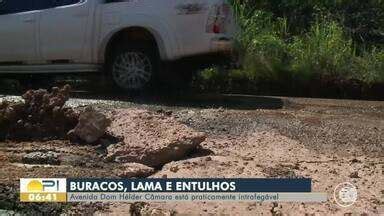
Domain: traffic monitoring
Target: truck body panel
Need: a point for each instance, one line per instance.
(79, 31)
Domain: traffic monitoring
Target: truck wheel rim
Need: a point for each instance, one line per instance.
(132, 70)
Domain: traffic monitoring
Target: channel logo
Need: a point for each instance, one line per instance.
(345, 194)
(43, 190)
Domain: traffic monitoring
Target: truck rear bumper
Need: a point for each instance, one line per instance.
(221, 51)
(222, 45)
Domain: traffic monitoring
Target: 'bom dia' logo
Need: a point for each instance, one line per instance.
(43, 190)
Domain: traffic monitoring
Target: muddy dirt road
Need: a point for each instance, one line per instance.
(330, 141)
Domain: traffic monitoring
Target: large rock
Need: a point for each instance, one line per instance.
(92, 125)
(151, 139)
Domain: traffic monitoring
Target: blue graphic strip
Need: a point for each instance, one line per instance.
(301, 185)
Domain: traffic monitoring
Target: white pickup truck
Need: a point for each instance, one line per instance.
(125, 38)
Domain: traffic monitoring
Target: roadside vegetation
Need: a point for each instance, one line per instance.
(331, 48)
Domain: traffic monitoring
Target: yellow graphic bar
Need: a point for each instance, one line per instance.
(43, 197)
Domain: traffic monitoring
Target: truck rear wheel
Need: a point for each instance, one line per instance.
(134, 68)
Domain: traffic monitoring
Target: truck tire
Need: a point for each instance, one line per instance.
(134, 68)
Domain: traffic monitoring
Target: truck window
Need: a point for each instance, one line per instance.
(15, 6)
(41, 5)
(46, 4)
(59, 3)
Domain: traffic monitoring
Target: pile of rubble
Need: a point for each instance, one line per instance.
(147, 138)
(42, 115)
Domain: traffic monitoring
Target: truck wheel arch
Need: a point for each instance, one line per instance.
(134, 34)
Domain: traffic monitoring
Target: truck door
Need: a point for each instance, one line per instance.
(63, 28)
(18, 23)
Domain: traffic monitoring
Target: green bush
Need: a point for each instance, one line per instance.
(370, 67)
(363, 20)
(261, 41)
(324, 51)
(290, 45)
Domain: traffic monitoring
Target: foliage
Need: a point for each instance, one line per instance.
(370, 67)
(323, 51)
(293, 43)
(363, 20)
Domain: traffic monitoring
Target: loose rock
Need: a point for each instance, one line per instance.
(174, 169)
(49, 157)
(137, 170)
(354, 175)
(142, 208)
(92, 125)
